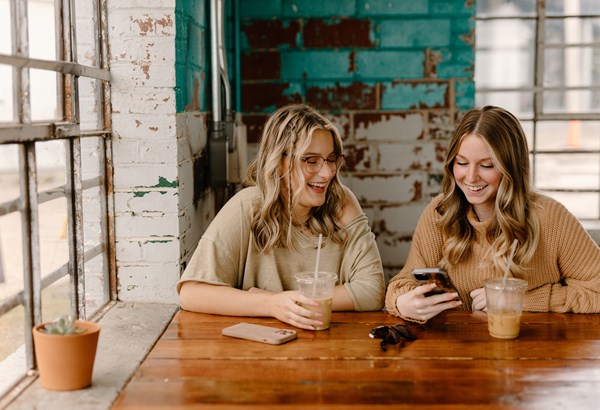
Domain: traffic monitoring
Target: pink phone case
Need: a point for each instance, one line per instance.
(259, 333)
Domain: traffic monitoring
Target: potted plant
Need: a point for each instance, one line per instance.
(65, 350)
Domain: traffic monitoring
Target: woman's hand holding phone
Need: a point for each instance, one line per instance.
(434, 296)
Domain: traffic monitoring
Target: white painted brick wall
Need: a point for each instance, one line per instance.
(401, 157)
(145, 149)
(392, 189)
(394, 127)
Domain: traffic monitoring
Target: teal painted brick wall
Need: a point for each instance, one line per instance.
(367, 42)
(190, 55)
(395, 76)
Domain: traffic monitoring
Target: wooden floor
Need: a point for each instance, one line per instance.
(454, 364)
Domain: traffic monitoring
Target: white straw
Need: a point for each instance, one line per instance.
(510, 258)
(318, 254)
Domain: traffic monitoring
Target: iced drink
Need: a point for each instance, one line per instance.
(324, 308)
(504, 324)
(319, 288)
(504, 306)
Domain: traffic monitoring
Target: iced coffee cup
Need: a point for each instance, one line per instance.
(504, 306)
(318, 287)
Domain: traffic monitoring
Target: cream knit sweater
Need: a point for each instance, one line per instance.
(563, 276)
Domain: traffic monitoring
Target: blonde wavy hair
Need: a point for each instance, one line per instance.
(513, 217)
(288, 133)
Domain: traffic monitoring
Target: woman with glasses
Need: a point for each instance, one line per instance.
(246, 261)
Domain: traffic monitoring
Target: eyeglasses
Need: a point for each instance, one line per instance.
(392, 335)
(314, 163)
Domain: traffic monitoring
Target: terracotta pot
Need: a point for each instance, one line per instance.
(66, 362)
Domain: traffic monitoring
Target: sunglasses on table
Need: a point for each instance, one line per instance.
(392, 335)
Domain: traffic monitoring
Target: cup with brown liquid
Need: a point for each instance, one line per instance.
(318, 287)
(504, 300)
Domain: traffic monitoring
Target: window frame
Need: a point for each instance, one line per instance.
(24, 133)
(537, 90)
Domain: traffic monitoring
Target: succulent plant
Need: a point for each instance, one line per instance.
(64, 325)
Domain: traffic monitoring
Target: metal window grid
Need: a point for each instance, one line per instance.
(25, 133)
(537, 90)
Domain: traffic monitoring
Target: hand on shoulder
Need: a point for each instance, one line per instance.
(351, 206)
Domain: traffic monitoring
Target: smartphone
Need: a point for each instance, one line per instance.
(437, 275)
(259, 333)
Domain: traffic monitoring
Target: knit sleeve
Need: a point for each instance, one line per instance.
(577, 259)
(425, 252)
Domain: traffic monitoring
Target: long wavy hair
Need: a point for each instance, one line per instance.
(513, 217)
(288, 133)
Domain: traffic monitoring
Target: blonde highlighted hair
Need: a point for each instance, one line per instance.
(288, 133)
(513, 217)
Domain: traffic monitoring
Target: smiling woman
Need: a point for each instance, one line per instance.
(246, 261)
(487, 203)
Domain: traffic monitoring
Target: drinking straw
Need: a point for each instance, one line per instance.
(513, 248)
(318, 254)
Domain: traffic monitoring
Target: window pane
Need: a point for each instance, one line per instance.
(567, 171)
(583, 205)
(571, 102)
(7, 112)
(565, 135)
(572, 67)
(41, 42)
(43, 95)
(506, 8)
(5, 31)
(502, 60)
(572, 30)
(562, 7)
(519, 103)
(12, 352)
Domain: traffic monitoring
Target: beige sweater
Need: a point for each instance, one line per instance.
(225, 256)
(563, 276)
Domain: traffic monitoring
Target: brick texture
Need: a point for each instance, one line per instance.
(394, 85)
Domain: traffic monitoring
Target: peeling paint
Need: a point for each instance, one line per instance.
(164, 183)
(418, 191)
(352, 62)
(146, 70)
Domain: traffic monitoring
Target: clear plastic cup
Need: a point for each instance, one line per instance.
(318, 287)
(504, 306)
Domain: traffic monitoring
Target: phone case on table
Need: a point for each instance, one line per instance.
(259, 333)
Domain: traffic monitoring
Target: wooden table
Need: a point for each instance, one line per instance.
(454, 364)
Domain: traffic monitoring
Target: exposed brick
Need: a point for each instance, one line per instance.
(254, 125)
(337, 97)
(342, 122)
(261, 65)
(335, 33)
(358, 158)
(271, 33)
(264, 97)
(440, 125)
